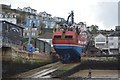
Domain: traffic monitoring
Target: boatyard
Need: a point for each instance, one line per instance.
(39, 46)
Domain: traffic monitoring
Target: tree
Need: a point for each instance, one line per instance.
(42, 25)
(41, 28)
(94, 29)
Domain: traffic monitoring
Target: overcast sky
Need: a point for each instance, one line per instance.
(103, 13)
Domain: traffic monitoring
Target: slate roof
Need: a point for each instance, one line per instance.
(115, 33)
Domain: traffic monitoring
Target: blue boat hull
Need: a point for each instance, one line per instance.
(69, 53)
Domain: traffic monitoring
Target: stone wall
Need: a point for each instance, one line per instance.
(15, 61)
(11, 54)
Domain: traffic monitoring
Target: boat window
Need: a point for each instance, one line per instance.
(68, 37)
(57, 37)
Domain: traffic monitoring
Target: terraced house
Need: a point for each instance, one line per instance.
(114, 41)
(101, 42)
(47, 19)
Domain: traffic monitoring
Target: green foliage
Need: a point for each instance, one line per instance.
(42, 25)
(25, 40)
(94, 29)
(18, 60)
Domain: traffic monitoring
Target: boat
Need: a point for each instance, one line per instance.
(69, 42)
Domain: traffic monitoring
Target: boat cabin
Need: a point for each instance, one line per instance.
(68, 37)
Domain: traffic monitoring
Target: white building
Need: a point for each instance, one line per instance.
(45, 15)
(8, 17)
(100, 42)
(58, 19)
(89, 28)
(19, 9)
(47, 20)
(117, 28)
(29, 9)
(34, 33)
(114, 42)
(82, 26)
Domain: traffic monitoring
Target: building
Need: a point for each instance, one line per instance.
(32, 20)
(47, 20)
(106, 32)
(45, 15)
(50, 23)
(82, 26)
(8, 17)
(34, 33)
(117, 28)
(89, 28)
(114, 42)
(30, 10)
(82, 38)
(4, 6)
(101, 42)
(58, 19)
(12, 34)
(19, 9)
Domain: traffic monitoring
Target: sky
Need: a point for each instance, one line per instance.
(103, 13)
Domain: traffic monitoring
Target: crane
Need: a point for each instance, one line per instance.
(72, 19)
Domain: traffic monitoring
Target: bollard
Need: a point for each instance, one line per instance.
(89, 74)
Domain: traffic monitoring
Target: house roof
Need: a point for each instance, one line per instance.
(45, 13)
(115, 33)
(100, 35)
(30, 8)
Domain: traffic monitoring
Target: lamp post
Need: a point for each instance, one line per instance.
(30, 35)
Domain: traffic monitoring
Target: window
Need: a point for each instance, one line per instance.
(84, 42)
(111, 38)
(68, 37)
(28, 9)
(27, 34)
(79, 42)
(111, 44)
(57, 37)
(100, 39)
(1, 15)
(33, 34)
(100, 45)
